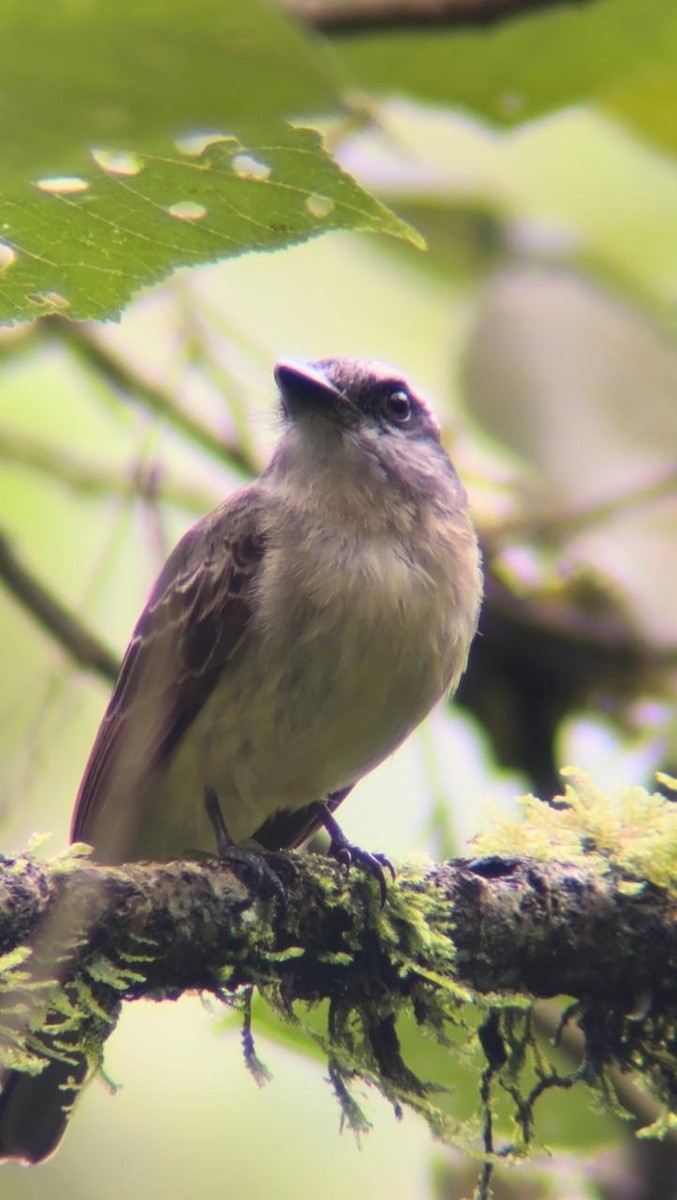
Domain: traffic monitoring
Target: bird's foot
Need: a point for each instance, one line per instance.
(263, 874)
(224, 841)
(346, 853)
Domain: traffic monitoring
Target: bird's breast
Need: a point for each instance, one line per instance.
(368, 640)
(349, 646)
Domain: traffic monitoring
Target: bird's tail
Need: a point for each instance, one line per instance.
(34, 1109)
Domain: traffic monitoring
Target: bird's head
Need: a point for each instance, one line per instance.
(362, 416)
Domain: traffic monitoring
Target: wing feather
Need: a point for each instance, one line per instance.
(189, 630)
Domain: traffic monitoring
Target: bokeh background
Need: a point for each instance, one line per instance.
(536, 156)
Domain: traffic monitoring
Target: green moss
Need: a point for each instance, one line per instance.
(399, 970)
(634, 831)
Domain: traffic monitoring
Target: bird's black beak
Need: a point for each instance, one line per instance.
(305, 388)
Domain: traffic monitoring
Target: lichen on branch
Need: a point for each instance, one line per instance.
(461, 950)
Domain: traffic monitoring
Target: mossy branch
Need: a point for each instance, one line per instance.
(467, 943)
(492, 924)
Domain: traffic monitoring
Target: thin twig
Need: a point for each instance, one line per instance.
(138, 390)
(645, 1108)
(83, 646)
(555, 527)
(145, 480)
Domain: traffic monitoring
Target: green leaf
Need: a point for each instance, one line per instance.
(650, 103)
(138, 73)
(519, 69)
(102, 189)
(84, 245)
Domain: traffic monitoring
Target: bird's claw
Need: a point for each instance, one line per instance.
(374, 863)
(347, 854)
(261, 873)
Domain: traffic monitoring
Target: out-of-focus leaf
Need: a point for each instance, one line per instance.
(521, 68)
(650, 104)
(138, 73)
(82, 246)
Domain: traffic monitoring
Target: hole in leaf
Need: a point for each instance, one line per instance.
(118, 162)
(8, 255)
(248, 167)
(63, 185)
(319, 206)
(510, 104)
(196, 143)
(51, 300)
(187, 210)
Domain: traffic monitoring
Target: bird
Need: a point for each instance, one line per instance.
(295, 637)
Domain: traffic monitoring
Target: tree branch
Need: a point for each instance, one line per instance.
(541, 928)
(363, 16)
(84, 647)
(491, 925)
(485, 935)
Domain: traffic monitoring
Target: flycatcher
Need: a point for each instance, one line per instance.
(294, 638)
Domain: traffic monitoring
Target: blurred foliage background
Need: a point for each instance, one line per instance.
(536, 157)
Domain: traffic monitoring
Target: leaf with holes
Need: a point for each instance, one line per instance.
(81, 229)
(139, 73)
(80, 245)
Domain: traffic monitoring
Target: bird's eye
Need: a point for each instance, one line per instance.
(397, 407)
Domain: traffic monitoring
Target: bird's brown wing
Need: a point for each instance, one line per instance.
(192, 625)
